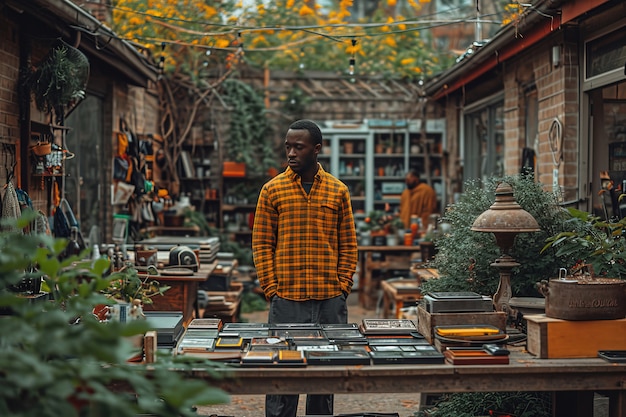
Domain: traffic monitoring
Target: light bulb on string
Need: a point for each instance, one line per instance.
(162, 58)
(352, 61)
(301, 65)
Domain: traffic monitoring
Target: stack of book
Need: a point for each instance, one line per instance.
(475, 356)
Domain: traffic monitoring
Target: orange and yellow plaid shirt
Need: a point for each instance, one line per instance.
(304, 245)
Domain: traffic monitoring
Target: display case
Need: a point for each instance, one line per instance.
(373, 156)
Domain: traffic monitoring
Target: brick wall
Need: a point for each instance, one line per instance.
(557, 93)
(9, 70)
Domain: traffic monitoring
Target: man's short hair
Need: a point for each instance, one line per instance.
(415, 173)
(314, 130)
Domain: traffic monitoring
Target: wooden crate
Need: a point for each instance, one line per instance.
(555, 338)
(426, 322)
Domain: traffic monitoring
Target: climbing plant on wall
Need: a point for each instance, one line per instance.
(250, 137)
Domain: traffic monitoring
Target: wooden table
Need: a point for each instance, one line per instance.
(397, 292)
(395, 257)
(183, 294)
(573, 380)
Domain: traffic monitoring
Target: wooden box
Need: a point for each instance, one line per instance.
(426, 321)
(555, 338)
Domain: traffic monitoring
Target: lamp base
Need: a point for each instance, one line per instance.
(505, 264)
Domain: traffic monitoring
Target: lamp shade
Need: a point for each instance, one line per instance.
(505, 215)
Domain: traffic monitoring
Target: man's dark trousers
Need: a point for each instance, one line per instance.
(331, 311)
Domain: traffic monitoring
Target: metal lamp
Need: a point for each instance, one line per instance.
(505, 219)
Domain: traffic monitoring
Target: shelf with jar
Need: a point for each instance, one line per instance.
(373, 157)
(199, 176)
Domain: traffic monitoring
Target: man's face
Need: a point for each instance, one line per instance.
(411, 180)
(300, 150)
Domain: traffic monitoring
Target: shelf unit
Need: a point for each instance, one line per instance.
(200, 177)
(372, 158)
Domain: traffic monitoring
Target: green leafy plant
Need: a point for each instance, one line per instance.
(514, 404)
(60, 79)
(381, 220)
(59, 360)
(464, 257)
(250, 133)
(590, 240)
(127, 285)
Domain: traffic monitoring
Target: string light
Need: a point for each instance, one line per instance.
(352, 58)
(162, 59)
(301, 59)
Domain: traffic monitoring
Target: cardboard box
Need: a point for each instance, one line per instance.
(555, 338)
(426, 321)
(234, 169)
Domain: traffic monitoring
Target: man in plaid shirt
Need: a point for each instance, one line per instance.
(305, 249)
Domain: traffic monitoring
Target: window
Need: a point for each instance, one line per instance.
(484, 150)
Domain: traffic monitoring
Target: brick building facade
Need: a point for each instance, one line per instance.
(551, 85)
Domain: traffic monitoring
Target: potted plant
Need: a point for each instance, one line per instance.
(587, 239)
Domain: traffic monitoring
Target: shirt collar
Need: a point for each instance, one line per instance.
(293, 175)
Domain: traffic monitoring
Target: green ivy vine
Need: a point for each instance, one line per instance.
(250, 134)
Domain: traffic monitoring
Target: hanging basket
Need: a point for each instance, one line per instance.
(60, 79)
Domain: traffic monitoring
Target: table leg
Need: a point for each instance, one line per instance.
(573, 404)
(399, 305)
(617, 403)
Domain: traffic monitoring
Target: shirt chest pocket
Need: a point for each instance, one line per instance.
(328, 216)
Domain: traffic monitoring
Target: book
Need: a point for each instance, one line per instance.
(196, 345)
(238, 326)
(298, 333)
(347, 335)
(400, 340)
(268, 343)
(319, 347)
(340, 357)
(342, 326)
(235, 342)
(387, 326)
(286, 356)
(257, 357)
(205, 323)
(474, 357)
(225, 355)
(424, 355)
(201, 333)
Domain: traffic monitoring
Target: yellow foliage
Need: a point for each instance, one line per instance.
(407, 61)
(290, 4)
(306, 11)
(391, 3)
(222, 43)
(390, 41)
(417, 70)
(402, 27)
(259, 39)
